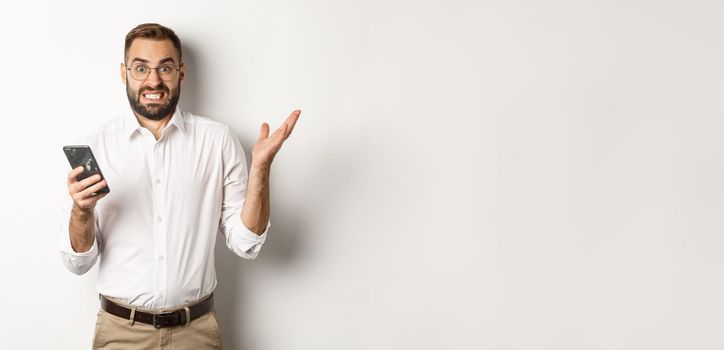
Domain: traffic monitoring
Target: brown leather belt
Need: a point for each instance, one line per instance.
(160, 320)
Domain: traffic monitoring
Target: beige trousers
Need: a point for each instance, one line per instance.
(113, 332)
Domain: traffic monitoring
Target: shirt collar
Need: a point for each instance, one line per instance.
(177, 119)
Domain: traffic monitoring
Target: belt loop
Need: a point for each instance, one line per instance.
(188, 314)
(132, 318)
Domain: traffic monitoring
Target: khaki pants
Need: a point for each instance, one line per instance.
(113, 332)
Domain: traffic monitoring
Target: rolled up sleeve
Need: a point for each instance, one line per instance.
(242, 241)
(75, 262)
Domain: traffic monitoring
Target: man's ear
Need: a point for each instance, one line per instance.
(182, 71)
(123, 73)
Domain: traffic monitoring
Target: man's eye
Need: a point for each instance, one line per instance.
(141, 69)
(165, 69)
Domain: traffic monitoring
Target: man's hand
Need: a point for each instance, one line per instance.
(266, 146)
(82, 191)
(81, 217)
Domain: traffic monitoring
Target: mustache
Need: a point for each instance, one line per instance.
(160, 87)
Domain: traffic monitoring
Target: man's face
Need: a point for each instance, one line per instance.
(153, 97)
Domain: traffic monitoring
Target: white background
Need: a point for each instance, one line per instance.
(465, 174)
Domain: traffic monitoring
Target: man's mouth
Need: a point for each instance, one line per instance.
(154, 96)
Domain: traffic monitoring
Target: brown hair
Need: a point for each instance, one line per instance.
(153, 31)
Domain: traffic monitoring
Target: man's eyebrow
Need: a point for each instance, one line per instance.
(167, 59)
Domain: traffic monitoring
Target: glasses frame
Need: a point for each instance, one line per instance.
(149, 72)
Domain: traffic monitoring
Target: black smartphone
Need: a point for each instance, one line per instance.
(81, 155)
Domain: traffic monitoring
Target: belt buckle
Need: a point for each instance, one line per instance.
(162, 320)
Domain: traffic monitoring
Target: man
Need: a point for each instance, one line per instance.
(176, 180)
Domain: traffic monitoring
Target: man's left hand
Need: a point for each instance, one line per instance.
(267, 146)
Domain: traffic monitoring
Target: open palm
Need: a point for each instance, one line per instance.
(267, 146)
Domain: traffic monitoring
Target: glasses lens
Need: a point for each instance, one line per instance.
(139, 71)
(167, 72)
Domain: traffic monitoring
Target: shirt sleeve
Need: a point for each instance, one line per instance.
(78, 263)
(239, 238)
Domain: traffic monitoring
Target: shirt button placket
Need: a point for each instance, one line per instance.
(159, 227)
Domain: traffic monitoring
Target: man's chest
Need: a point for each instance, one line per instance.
(150, 178)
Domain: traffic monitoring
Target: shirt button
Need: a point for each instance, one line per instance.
(158, 181)
(160, 295)
(158, 219)
(160, 258)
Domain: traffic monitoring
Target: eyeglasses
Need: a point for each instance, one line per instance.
(140, 71)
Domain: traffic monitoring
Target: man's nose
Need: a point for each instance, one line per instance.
(153, 77)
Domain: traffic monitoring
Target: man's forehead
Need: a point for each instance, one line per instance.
(147, 50)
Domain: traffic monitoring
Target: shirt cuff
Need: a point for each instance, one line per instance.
(90, 252)
(78, 262)
(246, 243)
(248, 234)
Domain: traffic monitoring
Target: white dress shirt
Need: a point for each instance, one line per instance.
(155, 231)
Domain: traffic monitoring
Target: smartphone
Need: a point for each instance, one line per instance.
(81, 155)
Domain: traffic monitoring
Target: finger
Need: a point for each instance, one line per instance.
(90, 201)
(281, 133)
(278, 136)
(291, 121)
(264, 131)
(88, 192)
(277, 132)
(85, 183)
(73, 175)
(79, 186)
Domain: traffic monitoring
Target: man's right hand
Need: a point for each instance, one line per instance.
(82, 191)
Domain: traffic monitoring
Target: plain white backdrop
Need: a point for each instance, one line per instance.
(465, 174)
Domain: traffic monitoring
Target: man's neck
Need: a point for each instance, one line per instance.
(154, 126)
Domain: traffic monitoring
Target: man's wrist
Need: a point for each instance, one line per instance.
(260, 168)
(76, 210)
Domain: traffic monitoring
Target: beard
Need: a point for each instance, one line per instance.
(154, 111)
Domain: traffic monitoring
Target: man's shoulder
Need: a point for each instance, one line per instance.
(201, 121)
(204, 124)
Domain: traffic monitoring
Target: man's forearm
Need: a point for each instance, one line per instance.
(255, 214)
(82, 234)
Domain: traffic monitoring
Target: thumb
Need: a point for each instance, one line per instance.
(264, 131)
